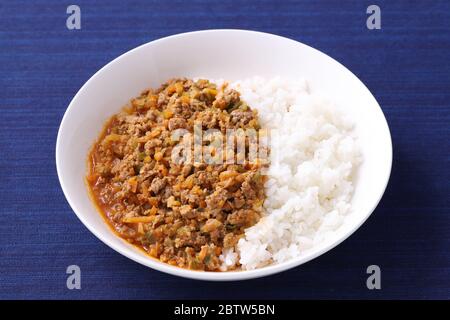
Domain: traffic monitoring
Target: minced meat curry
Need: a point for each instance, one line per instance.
(184, 214)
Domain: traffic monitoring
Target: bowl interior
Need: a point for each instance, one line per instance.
(219, 54)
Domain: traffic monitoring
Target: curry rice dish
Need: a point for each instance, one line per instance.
(234, 215)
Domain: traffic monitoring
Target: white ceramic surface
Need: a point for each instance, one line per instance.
(231, 55)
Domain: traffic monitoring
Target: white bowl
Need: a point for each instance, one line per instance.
(215, 54)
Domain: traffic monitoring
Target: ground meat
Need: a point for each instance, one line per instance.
(158, 184)
(226, 99)
(247, 189)
(176, 123)
(151, 144)
(187, 211)
(238, 202)
(186, 170)
(183, 214)
(217, 199)
(243, 217)
(241, 117)
(230, 240)
(209, 119)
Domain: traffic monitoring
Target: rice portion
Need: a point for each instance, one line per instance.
(313, 158)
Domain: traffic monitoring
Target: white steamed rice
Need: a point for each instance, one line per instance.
(313, 158)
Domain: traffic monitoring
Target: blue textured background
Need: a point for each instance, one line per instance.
(406, 65)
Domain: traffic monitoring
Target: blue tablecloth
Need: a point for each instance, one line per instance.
(406, 65)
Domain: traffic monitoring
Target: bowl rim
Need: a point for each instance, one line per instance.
(202, 275)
